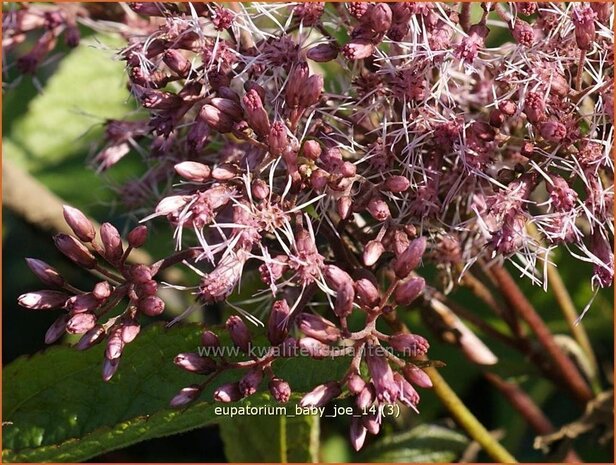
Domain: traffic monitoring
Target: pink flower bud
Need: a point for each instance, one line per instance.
(396, 184)
(553, 131)
(79, 223)
(372, 252)
(82, 303)
(239, 332)
(112, 242)
(42, 300)
(367, 293)
(601, 248)
(109, 368)
(280, 390)
(408, 394)
(311, 92)
(410, 259)
(366, 397)
(185, 396)
(194, 363)
(277, 139)
(193, 171)
(355, 384)
(358, 9)
(417, 376)
(229, 106)
(129, 331)
(151, 306)
(224, 172)
(317, 327)
(137, 236)
(382, 377)
(251, 381)
(318, 180)
(379, 209)
(343, 304)
(343, 206)
(379, 17)
(407, 291)
(216, 119)
(209, 339)
(74, 250)
(45, 272)
(357, 433)
(497, 118)
(277, 329)
(372, 423)
(56, 330)
(321, 395)
(314, 348)
(158, 100)
(358, 49)
(411, 345)
(336, 278)
(534, 107)
(255, 113)
(311, 150)
(295, 83)
(229, 392)
(147, 288)
(91, 338)
(260, 189)
(508, 107)
(81, 323)
(523, 33)
(177, 62)
(584, 20)
(322, 53)
(140, 274)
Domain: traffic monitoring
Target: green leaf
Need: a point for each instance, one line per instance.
(59, 120)
(272, 438)
(424, 443)
(57, 408)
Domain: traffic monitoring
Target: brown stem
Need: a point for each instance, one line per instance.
(563, 366)
(525, 405)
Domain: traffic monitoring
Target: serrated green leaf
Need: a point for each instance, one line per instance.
(58, 408)
(272, 438)
(424, 443)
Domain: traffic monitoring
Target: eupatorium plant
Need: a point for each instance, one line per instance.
(338, 152)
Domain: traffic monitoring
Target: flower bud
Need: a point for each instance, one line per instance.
(57, 329)
(251, 381)
(358, 49)
(295, 83)
(177, 62)
(260, 189)
(411, 345)
(209, 339)
(336, 278)
(45, 272)
(379, 209)
(81, 323)
(280, 390)
(194, 363)
(255, 113)
(101, 290)
(151, 306)
(343, 304)
(314, 348)
(382, 377)
(74, 250)
(317, 327)
(523, 33)
(321, 395)
(229, 106)
(410, 259)
(79, 223)
(109, 368)
(584, 20)
(355, 384)
(147, 288)
(603, 271)
(277, 139)
(371, 423)
(366, 397)
(343, 206)
(193, 171)
(129, 330)
(216, 119)
(311, 150)
(239, 332)
(417, 376)
(322, 53)
(91, 337)
(367, 293)
(318, 180)
(229, 392)
(185, 396)
(372, 252)
(43, 300)
(396, 184)
(379, 17)
(277, 323)
(112, 242)
(357, 433)
(82, 303)
(140, 274)
(553, 131)
(311, 92)
(407, 291)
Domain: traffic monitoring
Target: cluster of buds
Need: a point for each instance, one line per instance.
(87, 313)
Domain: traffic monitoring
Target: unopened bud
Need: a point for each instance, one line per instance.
(195, 363)
(321, 395)
(177, 62)
(224, 172)
(229, 392)
(277, 139)
(280, 390)
(379, 209)
(408, 394)
(372, 252)
(311, 92)
(74, 250)
(357, 433)
(81, 323)
(193, 171)
(317, 327)
(584, 20)
(109, 368)
(140, 274)
(314, 348)
(251, 381)
(322, 53)
(43, 300)
(311, 150)
(367, 293)
(91, 338)
(255, 113)
(277, 329)
(151, 305)
(379, 17)
(216, 119)
(45, 272)
(358, 49)
(407, 291)
(185, 396)
(209, 339)
(112, 242)
(372, 423)
(82, 303)
(382, 377)
(396, 184)
(56, 330)
(366, 397)
(553, 131)
(260, 189)
(79, 223)
(416, 376)
(239, 332)
(355, 384)
(411, 345)
(410, 259)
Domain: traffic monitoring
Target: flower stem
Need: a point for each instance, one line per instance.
(467, 420)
